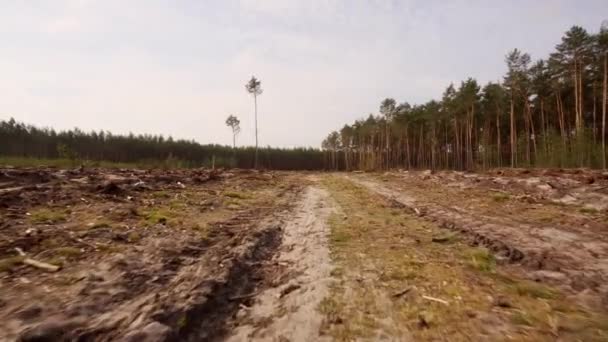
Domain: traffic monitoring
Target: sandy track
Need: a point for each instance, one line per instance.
(289, 312)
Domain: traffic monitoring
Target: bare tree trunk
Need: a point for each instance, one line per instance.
(594, 116)
(575, 76)
(562, 123)
(255, 102)
(543, 125)
(498, 145)
(387, 146)
(471, 140)
(605, 92)
(407, 147)
(527, 133)
(447, 142)
(581, 102)
(532, 131)
(456, 145)
(513, 137)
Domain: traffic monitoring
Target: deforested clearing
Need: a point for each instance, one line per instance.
(295, 171)
(245, 255)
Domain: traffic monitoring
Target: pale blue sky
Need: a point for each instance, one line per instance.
(179, 67)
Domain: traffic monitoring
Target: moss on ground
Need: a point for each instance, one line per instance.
(48, 215)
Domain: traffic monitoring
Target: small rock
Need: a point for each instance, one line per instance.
(122, 237)
(425, 320)
(153, 332)
(31, 232)
(503, 302)
(110, 188)
(95, 277)
(545, 275)
(544, 187)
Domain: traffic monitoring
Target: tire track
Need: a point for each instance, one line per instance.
(289, 311)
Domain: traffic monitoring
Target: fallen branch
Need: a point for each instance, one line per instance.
(288, 290)
(245, 296)
(436, 300)
(402, 292)
(35, 263)
(442, 239)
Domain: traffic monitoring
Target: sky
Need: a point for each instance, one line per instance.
(178, 67)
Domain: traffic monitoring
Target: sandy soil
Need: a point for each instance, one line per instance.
(289, 312)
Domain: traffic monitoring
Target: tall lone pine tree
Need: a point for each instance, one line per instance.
(254, 87)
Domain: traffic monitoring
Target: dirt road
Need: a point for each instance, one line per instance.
(290, 311)
(211, 255)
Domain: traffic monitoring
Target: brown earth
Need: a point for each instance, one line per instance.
(156, 255)
(554, 223)
(238, 255)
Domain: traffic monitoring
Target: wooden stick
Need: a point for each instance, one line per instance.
(245, 296)
(41, 265)
(436, 300)
(402, 292)
(35, 263)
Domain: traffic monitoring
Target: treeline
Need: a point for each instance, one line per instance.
(27, 141)
(548, 113)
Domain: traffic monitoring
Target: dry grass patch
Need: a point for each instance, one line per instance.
(7, 264)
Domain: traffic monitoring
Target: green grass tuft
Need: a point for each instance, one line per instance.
(535, 290)
(482, 260)
(67, 251)
(588, 210)
(47, 215)
(156, 216)
(501, 197)
(235, 194)
(521, 318)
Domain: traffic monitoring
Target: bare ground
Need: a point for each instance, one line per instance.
(289, 312)
(141, 259)
(210, 255)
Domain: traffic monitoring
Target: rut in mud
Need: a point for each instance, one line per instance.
(210, 320)
(289, 311)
